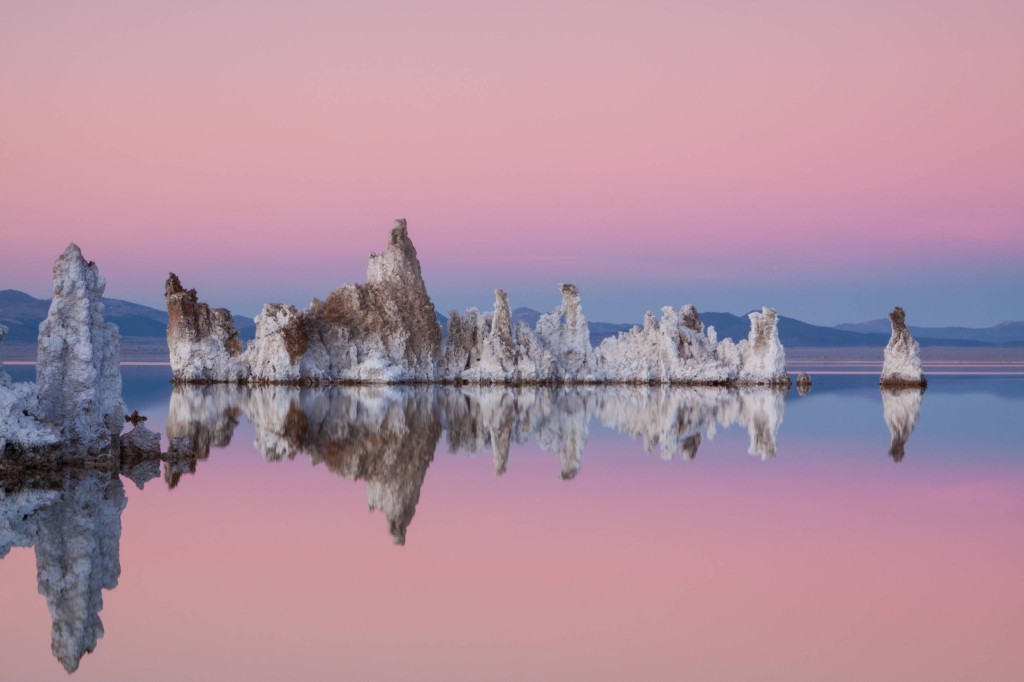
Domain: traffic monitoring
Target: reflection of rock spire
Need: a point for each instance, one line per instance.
(762, 412)
(902, 408)
(140, 454)
(198, 418)
(386, 435)
(74, 522)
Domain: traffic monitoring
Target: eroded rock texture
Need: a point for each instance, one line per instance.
(762, 358)
(78, 374)
(19, 429)
(902, 361)
(486, 348)
(203, 342)
(673, 349)
(385, 331)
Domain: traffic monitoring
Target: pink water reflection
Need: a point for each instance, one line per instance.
(838, 565)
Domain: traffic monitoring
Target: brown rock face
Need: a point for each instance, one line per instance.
(390, 318)
(203, 342)
(191, 319)
(690, 319)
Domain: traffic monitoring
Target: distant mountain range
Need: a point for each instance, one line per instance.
(797, 334)
(1006, 333)
(22, 314)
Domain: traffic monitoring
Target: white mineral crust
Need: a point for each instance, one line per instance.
(385, 331)
(17, 404)
(203, 341)
(902, 361)
(77, 369)
(762, 358)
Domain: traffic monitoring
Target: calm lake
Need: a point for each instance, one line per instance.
(496, 534)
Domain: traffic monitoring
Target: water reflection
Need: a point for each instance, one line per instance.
(386, 436)
(324, 421)
(902, 409)
(73, 520)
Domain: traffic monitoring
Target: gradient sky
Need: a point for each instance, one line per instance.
(829, 159)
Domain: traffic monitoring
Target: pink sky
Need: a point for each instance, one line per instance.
(655, 153)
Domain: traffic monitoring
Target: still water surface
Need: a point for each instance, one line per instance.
(596, 533)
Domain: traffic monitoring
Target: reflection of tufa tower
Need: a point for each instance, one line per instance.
(387, 435)
(74, 523)
(902, 408)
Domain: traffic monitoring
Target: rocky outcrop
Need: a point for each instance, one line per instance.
(762, 359)
(19, 430)
(902, 361)
(562, 338)
(276, 354)
(78, 374)
(203, 342)
(385, 331)
(673, 349)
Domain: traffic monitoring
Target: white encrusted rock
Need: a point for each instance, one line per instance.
(565, 334)
(674, 349)
(276, 353)
(761, 355)
(18, 427)
(902, 361)
(203, 342)
(383, 331)
(77, 368)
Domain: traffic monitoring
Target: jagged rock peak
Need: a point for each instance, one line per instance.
(902, 360)
(77, 367)
(203, 342)
(689, 318)
(398, 264)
